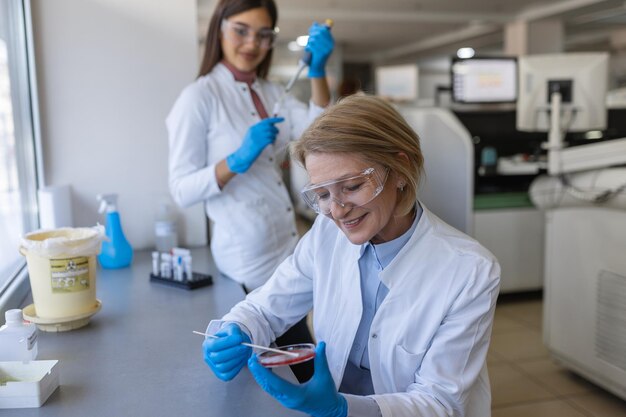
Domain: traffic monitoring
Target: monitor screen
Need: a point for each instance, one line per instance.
(580, 78)
(398, 82)
(484, 80)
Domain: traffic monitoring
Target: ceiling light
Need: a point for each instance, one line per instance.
(302, 40)
(464, 53)
(293, 46)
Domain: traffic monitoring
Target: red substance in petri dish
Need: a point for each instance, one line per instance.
(272, 359)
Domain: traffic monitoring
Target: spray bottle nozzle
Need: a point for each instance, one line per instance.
(108, 202)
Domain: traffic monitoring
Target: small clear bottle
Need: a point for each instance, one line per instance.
(18, 339)
(165, 230)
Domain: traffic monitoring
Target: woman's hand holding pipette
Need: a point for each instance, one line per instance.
(320, 46)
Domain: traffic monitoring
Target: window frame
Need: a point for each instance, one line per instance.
(28, 153)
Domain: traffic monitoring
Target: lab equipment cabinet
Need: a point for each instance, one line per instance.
(515, 235)
(585, 294)
(506, 163)
(505, 221)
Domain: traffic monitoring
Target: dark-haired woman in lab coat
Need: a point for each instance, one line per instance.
(225, 146)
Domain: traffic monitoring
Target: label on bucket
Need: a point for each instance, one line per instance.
(70, 275)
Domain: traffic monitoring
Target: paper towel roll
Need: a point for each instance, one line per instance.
(55, 207)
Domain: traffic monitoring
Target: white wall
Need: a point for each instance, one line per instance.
(108, 73)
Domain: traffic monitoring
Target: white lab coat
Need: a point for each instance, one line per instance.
(429, 338)
(253, 218)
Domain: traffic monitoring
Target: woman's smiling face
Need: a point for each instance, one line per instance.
(246, 55)
(374, 221)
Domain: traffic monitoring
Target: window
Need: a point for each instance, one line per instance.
(18, 179)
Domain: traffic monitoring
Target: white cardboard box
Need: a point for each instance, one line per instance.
(27, 384)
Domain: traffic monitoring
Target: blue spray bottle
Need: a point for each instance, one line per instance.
(116, 251)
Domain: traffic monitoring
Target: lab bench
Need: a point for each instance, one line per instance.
(138, 356)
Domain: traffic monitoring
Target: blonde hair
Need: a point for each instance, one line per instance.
(370, 128)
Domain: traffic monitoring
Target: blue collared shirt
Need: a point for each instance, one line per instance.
(374, 258)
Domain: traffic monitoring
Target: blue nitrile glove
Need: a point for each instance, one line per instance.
(320, 45)
(226, 355)
(257, 138)
(317, 397)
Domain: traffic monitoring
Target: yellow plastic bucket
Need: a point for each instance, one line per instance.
(62, 270)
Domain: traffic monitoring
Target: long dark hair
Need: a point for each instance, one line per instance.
(226, 8)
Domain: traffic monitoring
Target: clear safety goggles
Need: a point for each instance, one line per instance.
(240, 33)
(349, 192)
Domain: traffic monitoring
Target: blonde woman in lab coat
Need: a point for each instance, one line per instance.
(225, 146)
(403, 303)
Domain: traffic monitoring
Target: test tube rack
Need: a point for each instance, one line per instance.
(198, 280)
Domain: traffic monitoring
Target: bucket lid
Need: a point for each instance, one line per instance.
(66, 241)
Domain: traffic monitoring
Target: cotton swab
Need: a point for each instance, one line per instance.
(282, 352)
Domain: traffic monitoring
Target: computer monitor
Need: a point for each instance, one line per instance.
(581, 78)
(484, 80)
(397, 82)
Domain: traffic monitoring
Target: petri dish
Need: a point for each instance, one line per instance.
(304, 351)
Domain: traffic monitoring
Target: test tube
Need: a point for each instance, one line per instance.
(155, 264)
(166, 265)
(187, 267)
(178, 268)
(277, 106)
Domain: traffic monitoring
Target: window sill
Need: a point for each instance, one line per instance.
(15, 293)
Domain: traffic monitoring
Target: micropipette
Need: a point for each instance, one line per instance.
(282, 352)
(302, 63)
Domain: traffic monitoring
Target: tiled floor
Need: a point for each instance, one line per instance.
(526, 382)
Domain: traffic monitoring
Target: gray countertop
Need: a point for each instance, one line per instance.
(138, 356)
